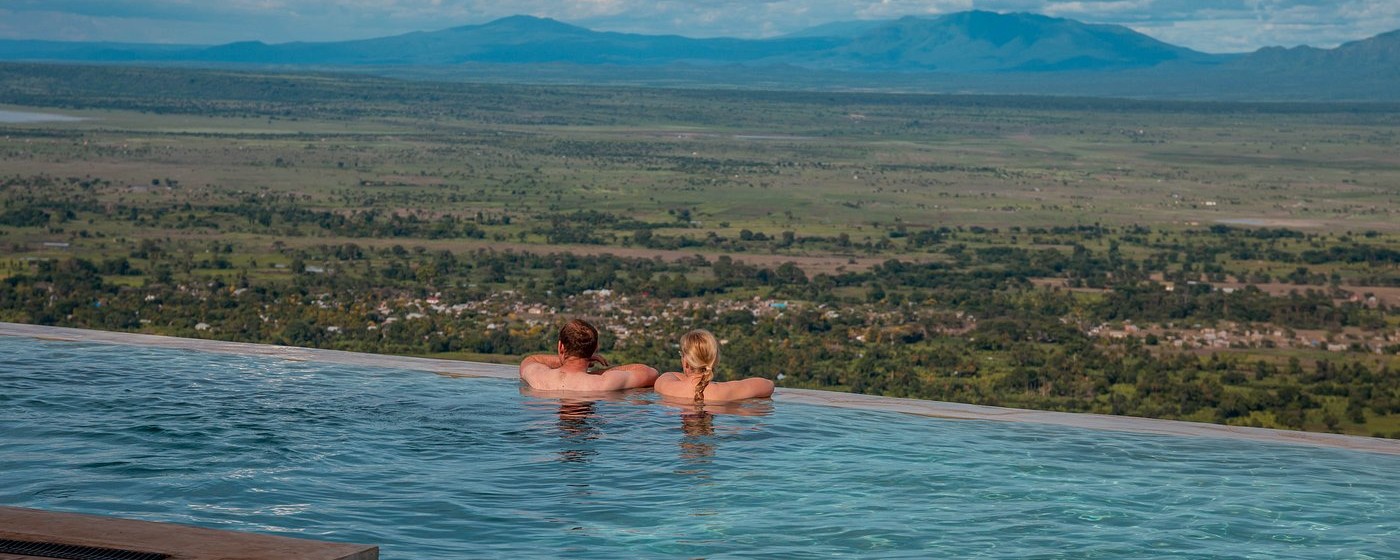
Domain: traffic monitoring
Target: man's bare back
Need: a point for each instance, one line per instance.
(568, 369)
(553, 373)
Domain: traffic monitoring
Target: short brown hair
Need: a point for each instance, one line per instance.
(579, 338)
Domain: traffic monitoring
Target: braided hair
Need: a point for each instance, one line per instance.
(700, 351)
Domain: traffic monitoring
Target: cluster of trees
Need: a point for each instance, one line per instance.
(1214, 255)
(918, 338)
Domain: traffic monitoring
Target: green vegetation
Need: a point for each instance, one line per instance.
(1212, 262)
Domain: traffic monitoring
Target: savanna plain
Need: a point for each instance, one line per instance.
(1220, 262)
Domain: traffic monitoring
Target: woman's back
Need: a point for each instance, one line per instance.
(699, 354)
(681, 386)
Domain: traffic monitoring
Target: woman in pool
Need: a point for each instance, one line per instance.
(699, 353)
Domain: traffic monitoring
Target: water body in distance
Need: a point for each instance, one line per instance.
(24, 117)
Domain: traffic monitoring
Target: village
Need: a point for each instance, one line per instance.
(627, 317)
(1229, 334)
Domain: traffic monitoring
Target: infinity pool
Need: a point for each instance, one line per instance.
(429, 466)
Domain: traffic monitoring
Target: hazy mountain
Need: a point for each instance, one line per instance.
(985, 41)
(968, 41)
(846, 29)
(963, 42)
(975, 51)
(516, 40)
(1365, 69)
(1379, 53)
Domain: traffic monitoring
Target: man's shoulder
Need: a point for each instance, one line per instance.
(539, 375)
(533, 365)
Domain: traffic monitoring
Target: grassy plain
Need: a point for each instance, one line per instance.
(815, 166)
(1112, 169)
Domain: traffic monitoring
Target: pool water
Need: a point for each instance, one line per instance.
(429, 466)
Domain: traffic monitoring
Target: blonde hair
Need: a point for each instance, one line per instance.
(700, 351)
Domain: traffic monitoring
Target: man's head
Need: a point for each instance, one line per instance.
(578, 339)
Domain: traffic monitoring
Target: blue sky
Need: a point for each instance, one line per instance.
(1208, 25)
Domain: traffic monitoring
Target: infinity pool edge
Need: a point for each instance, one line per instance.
(935, 409)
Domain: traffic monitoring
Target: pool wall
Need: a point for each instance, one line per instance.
(806, 396)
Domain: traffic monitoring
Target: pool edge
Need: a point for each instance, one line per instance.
(1086, 420)
(177, 540)
(935, 409)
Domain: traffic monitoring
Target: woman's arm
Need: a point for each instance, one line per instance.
(750, 388)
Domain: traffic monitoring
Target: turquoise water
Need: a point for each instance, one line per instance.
(436, 467)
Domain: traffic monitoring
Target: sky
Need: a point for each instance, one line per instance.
(1206, 25)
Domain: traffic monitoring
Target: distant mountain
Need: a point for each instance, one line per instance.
(515, 40)
(1379, 53)
(963, 42)
(980, 41)
(1368, 69)
(846, 29)
(974, 51)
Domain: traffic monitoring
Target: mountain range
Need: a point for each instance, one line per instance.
(973, 51)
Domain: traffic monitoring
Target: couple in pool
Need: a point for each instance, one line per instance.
(578, 349)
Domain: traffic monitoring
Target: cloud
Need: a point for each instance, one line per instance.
(884, 9)
(1097, 9)
(67, 26)
(1210, 25)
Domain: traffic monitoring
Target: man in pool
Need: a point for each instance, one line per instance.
(568, 370)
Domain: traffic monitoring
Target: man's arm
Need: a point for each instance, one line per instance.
(631, 376)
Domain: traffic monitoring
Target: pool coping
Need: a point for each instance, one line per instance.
(934, 409)
(180, 542)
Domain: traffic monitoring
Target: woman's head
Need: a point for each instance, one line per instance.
(699, 353)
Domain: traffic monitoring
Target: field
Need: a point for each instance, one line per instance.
(1009, 250)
